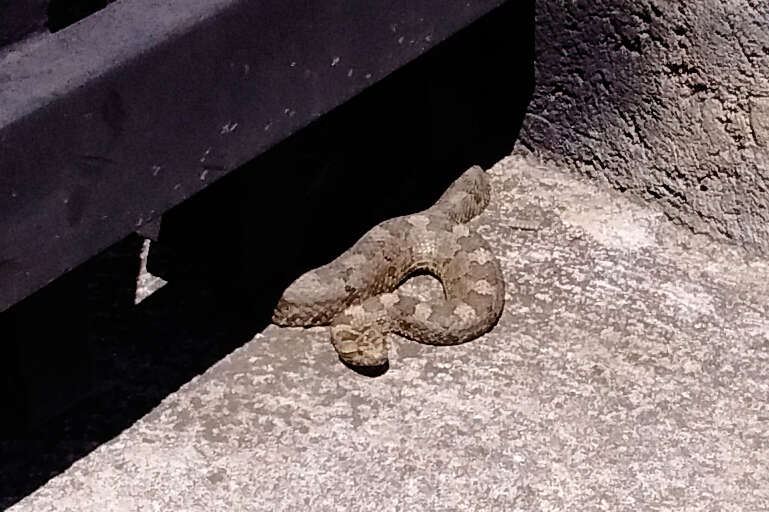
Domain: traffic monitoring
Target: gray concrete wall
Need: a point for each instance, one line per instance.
(666, 100)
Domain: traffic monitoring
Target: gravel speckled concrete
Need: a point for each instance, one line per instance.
(628, 372)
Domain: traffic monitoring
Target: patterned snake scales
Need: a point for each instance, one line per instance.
(357, 293)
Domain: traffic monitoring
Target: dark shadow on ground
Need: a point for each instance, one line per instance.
(82, 363)
(63, 13)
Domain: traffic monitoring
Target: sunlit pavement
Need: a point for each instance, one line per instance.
(629, 371)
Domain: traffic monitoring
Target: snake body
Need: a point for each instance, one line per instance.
(357, 293)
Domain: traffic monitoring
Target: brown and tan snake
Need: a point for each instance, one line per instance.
(357, 293)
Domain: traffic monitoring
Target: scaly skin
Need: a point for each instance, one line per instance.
(357, 292)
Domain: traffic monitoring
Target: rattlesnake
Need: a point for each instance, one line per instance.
(357, 292)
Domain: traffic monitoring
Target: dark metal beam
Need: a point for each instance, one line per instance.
(112, 121)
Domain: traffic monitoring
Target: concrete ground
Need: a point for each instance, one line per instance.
(629, 371)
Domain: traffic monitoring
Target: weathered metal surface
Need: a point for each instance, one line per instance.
(108, 123)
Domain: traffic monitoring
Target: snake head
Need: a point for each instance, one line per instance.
(282, 315)
(367, 347)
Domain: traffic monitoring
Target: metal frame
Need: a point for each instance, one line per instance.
(110, 122)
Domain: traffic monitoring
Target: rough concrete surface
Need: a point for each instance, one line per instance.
(666, 100)
(628, 372)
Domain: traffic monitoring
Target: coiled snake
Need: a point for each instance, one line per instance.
(357, 293)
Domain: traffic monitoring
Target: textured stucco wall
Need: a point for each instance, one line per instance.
(666, 100)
